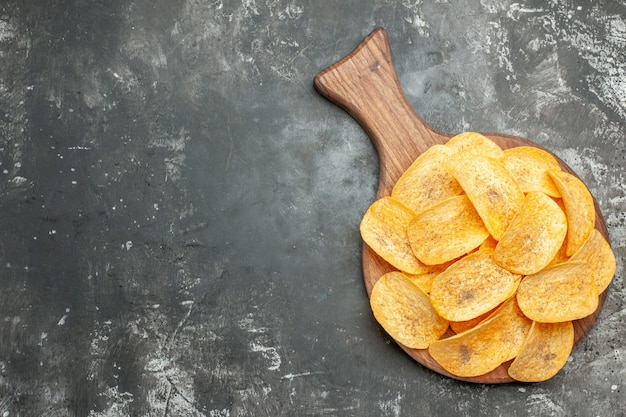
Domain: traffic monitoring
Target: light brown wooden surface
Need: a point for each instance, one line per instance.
(364, 83)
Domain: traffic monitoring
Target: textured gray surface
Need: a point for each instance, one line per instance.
(179, 208)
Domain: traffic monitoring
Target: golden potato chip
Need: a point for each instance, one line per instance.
(533, 237)
(384, 229)
(469, 144)
(579, 207)
(559, 293)
(463, 326)
(544, 353)
(446, 231)
(423, 281)
(491, 189)
(404, 311)
(529, 166)
(476, 351)
(518, 325)
(428, 180)
(490, 242)
(560, 256)
(471, 286)
(518, 280)
(597, 252)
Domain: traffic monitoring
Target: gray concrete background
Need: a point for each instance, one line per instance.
(179, 208)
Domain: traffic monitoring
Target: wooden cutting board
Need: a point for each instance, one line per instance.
(365, 85)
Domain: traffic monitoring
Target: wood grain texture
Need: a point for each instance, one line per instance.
(365, 85)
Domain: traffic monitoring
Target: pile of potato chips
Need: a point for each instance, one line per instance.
(496, 254)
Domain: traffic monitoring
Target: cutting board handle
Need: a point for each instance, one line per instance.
(365, 84)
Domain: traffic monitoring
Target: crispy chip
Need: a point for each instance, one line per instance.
(491, 189)
(476, 351)
(469, 144)
(446, 231)
(559, 293)
(428, 180)
(404, 311)
(579, 207)
(597, 252)
(534, 236)
(518, 325)
(529, 166)
(490, 242)
(560, 256)
(471, 286)
(544, 353)
(423, 281)
(383, 228)
(463, 326)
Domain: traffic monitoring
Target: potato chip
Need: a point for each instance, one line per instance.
(559, 293)
(476, 351)
(534, 236)
(529, 166)
(492, 190)
(463, 326)
(560, 256)
(544, 353)
(404, 311)
(446, 231)
(471, 286)
(428, 180)
(597, 252)
(423, 281)
(384, 227)
(579, 207)
(490, 242)
(518, 325)
(469, 144)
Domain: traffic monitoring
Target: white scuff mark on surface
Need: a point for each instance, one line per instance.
(615, 201)
(172, 392)
(290, 377)
(268, 352)
(62, 320)
(7, 31)
(19, 181)
(605, 55)
(416, 17)
(391, 407)
(175, 146)
(98, 348)
(515, 9)
(118, 403)
(585, 161)
(543, 403)
(250, 8)
(549, 86)
(290, 12)
(247, 324)
(126, 79)
(500, 48)
(219, 413)
(42, 337)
